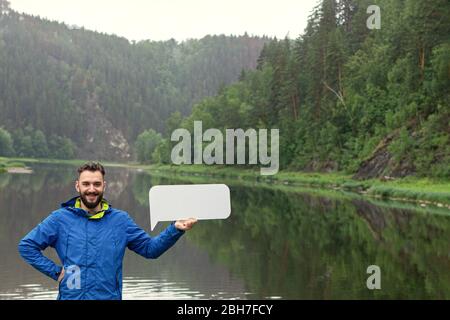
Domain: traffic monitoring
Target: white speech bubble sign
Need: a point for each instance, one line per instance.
(178, 202)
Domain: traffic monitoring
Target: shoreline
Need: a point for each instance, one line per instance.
(420, 191)
(423, 191)
(13, 165)
(20, 170)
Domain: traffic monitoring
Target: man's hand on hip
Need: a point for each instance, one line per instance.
(61, 275)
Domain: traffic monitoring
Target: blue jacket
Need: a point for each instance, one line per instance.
(91, 250)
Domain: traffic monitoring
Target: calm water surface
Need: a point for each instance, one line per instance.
(277, 244)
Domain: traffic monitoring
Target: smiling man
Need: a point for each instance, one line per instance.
(90, 238)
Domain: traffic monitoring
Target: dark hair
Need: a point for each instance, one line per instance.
(92, 166)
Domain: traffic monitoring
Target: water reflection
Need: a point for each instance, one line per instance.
(277, 243)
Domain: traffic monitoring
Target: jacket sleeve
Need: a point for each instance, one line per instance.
(151, 247)
(30, 248)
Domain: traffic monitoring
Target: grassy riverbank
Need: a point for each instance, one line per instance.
(411, 188)
(423, 190)
(7, 163)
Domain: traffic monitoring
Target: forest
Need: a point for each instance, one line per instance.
(345, 97)
(63, 86)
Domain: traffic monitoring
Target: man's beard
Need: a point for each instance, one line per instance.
(87, 203)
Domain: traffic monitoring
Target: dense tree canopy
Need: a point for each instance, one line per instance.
(53, 77)
(346, 97)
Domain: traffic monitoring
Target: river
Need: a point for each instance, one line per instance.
(279, 243)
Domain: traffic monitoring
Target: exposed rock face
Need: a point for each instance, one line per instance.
(103, 141)
(381, 163)
(375, 166)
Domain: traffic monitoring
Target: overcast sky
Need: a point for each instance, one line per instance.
(178, 19)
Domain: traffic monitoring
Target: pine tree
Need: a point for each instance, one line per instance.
(4, 7)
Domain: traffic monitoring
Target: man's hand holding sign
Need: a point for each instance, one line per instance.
(185, 225)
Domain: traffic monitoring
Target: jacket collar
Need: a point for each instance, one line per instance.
(74, 206)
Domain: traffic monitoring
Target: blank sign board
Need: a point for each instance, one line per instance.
(178, 202)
